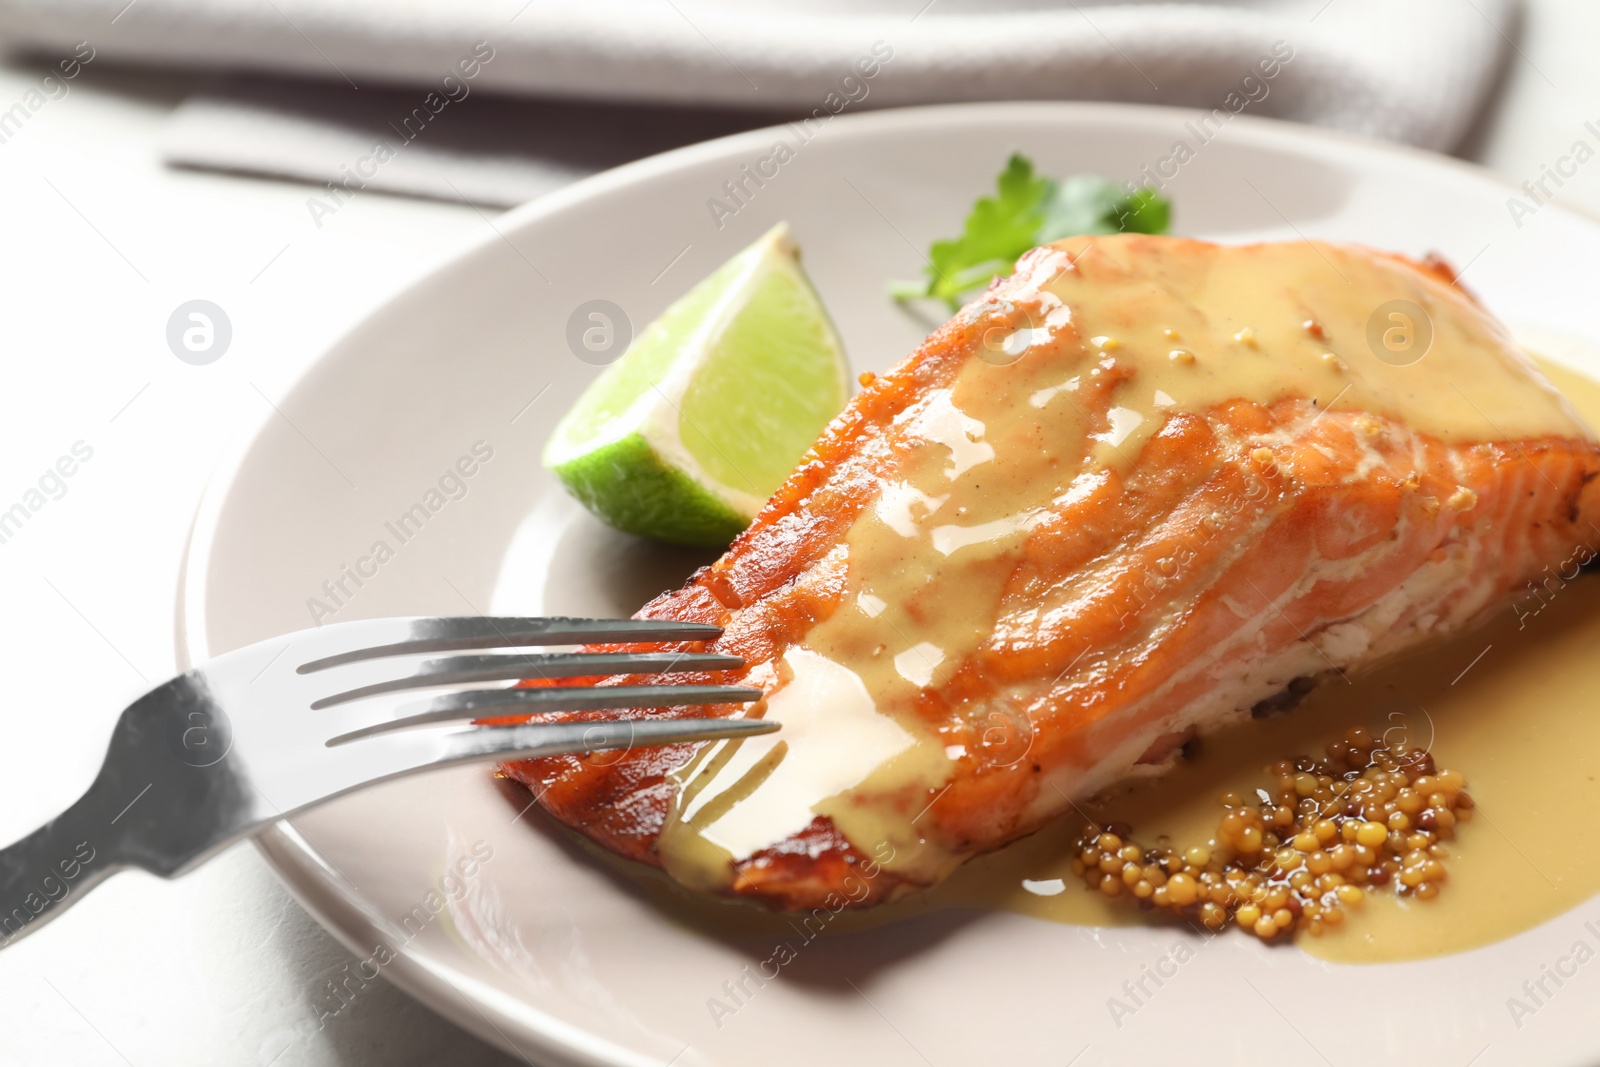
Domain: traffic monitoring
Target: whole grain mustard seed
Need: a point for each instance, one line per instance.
(1365, 817)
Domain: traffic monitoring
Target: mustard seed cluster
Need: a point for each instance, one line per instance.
(1297, 854)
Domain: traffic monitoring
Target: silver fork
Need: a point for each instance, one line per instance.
(276, 727)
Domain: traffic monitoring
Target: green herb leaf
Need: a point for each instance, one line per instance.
(1086, 203)
(1030, 210)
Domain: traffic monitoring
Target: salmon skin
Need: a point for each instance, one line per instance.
(1140, 487)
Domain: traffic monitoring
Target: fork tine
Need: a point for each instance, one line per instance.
(403, 753)
(474, 703)
(493, 668)
(457, 634)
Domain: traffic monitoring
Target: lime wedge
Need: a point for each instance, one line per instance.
(687, 435)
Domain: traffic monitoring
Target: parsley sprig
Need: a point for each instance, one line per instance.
(1030, 210)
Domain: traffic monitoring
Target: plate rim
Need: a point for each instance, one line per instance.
(307, 876)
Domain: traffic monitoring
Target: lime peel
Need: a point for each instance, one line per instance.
(687, 435)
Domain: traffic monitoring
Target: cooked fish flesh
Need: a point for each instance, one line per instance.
(1140, 487)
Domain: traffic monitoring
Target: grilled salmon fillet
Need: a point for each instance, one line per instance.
(1137, 489)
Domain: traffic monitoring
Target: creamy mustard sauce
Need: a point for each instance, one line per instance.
(1514, 706)
(1203, 324)
(1174, 326)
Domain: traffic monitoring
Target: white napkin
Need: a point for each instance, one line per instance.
(1408, 70)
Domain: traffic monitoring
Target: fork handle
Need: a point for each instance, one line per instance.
(47, 871)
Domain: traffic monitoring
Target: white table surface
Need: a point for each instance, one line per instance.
(100, 245)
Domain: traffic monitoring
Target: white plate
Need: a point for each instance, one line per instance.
(552, 955)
